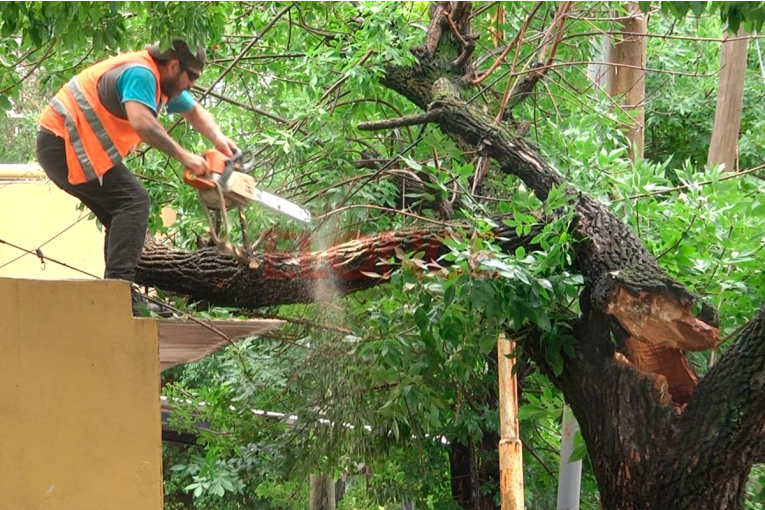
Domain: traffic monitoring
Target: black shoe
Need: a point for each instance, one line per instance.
(142, 307)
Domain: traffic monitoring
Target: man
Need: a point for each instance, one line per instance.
(100, 116)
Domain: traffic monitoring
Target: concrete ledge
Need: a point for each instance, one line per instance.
(79, 398)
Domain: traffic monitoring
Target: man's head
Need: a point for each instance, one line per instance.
(179, 66)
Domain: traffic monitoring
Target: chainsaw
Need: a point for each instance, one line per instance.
(229, 186)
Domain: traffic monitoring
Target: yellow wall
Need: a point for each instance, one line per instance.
(79, 398)
(33, 212)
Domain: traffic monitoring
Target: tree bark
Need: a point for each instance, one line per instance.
(631, 430)
(278, 278)
(730, 103)
(322, 493)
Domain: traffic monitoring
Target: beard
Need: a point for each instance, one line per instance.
(170, 86)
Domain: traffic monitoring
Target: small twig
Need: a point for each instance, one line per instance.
(565, 8)
(539, 459)
(680, 238)
(455, 30)
(628, 66)
(253, 109)
(502, 56)
(380, 208)
(32, 70)
(342, 80)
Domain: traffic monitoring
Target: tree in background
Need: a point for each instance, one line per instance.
(626, 74)
(723, 149)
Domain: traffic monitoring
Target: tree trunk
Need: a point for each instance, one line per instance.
(626, 74)
(322, 492)
(488, 471)
(649, 455)
(464, 476)
(730, 103)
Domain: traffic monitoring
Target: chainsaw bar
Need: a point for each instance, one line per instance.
(281, 205)
(243, 185)
(229, 186)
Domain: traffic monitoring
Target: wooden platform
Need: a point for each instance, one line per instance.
(185, 341)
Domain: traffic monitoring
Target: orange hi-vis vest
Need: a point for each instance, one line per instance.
(95, 139)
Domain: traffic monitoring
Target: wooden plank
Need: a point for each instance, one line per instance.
(184, 341)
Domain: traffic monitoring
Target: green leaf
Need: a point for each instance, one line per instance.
(533, 412)
(580, 448)
(487, 344)
(698, 7)
(449, 295)
(421, 319)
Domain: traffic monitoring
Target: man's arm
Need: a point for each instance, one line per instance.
(151, 131)
(203, 121)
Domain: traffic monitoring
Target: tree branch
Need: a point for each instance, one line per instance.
(278, 278)
(409, 120)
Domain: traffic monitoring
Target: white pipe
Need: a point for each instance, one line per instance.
(570, 474)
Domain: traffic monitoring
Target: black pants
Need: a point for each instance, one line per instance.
(120, 202)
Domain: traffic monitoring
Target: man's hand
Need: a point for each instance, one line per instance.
(225, 145)
(197, 164)
(201, 120)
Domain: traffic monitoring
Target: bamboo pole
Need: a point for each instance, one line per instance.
(510, 450)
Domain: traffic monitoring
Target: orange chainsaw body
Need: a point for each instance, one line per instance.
(230, 186)
(217, 162)
(227, 186)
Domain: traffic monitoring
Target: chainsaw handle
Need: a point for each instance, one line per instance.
(230, 166)
(200, 183)
(219, 164)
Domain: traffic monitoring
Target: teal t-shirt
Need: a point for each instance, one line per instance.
(139, 84)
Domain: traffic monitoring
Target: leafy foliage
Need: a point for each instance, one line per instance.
(733, 14)
(682, 105)
(379, 385)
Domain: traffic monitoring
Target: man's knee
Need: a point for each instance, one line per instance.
(141, 202)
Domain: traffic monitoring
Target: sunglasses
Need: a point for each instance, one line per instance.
(193, 75)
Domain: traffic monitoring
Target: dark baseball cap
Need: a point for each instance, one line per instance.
(181, 51)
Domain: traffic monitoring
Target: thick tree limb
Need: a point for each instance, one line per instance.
(719, 436)
(643, 454)
(277, 278)
(610, 256)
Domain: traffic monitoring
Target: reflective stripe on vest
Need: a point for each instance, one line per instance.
(74, 139)
(94, 122)
(95, 125)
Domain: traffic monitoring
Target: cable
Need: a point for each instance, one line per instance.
(46, 242)
(38, 253)
(18, 178)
